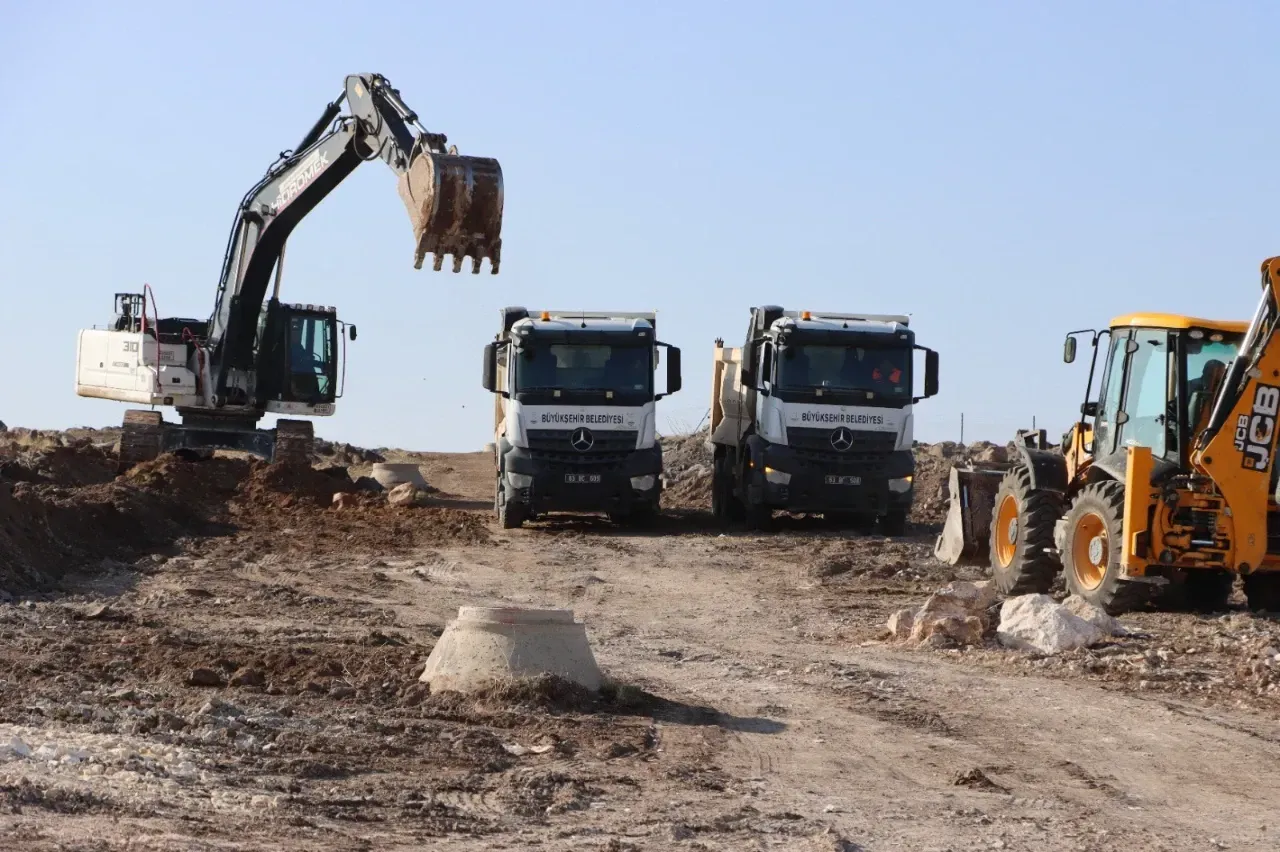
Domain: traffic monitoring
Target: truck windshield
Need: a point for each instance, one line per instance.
(585, 367)
(886, 371)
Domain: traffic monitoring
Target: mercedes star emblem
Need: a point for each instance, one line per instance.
(841, 439)
(581, 439)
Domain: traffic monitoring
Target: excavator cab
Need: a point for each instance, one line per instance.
(298, 358)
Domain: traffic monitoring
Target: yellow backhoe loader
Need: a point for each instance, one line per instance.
(1165, 489)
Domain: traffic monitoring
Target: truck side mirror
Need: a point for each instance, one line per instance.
(673, 370)
(1069, 350)
(352, 331)
(930, 373)
(491, 367)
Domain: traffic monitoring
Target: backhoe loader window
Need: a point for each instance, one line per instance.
(1104, 430)
(1207, 361)
(1147, 400)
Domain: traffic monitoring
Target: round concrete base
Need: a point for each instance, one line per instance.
(390, 475)
(492, 644)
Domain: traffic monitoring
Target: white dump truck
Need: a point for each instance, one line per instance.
(574, 413)
(813, 415)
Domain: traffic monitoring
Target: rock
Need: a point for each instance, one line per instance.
(248, 677)
(204, 677)
(1038, 623)
(1094, 615)
(343, 500)
(368, 483)
(958, 612)
(900, 624)
(990, 453)
(944, 450)
(406, 494)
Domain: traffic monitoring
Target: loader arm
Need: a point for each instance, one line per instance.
(1237, 447)
(454, 204)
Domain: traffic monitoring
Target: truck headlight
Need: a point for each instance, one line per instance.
(643, 483)
(520, 480)
(777, 477)
(900, 486)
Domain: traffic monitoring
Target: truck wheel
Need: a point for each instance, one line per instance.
(1262, 591)
(1022, 562)
(1092, 548)
(511, 514)
(721, 490)
(894, 523)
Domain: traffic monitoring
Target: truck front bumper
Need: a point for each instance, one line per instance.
(554, 485)
(795, 483)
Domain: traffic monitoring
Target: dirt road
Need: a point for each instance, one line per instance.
(253, 685)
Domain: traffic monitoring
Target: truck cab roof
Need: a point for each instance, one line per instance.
(823, 321)
(567, 323)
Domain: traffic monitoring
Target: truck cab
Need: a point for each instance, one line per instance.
(814, 415)
(574, 413)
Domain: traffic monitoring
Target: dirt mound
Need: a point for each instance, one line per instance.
(60, 465)
(49, 530)
(344, 455)
(686, 464)
(288, 485)
(933, 468)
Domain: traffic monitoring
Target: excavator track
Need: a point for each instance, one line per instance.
(141, 438)
(294, 441)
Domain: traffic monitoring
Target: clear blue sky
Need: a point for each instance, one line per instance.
(1004, 172)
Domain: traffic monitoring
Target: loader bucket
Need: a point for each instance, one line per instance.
(455, 205)
(966, 536)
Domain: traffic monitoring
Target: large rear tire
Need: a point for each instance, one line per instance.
(1201, 590)
(1092, 549)
(1262, 591)
(1022, 556)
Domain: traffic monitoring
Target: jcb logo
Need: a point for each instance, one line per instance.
(1256, 430)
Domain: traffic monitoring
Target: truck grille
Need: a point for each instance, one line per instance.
(556, 445)
(867, 455)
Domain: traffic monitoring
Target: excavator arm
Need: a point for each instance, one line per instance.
(454, 204)
(1237, 448)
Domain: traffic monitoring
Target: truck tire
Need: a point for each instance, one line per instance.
(511, 515)
(1022, 520)
(1091, 550)
(894, 523)
(726, 507)
(759, 517)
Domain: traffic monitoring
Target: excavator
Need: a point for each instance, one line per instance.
(252, 358)
(1163, 492)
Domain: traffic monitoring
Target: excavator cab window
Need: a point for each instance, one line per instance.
(311, 358)
(297, 355)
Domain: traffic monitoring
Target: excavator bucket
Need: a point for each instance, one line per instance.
(455, 205)
(966, 536)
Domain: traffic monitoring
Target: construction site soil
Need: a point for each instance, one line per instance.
(216, 655)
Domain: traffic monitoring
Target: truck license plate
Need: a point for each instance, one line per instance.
(583, 478)
(843, 480)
